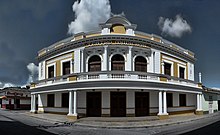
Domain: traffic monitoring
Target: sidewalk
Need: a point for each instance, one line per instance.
(122, 122)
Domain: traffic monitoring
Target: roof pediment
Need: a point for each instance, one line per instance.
(118, 19)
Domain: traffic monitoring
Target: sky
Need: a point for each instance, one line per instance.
(26, 26)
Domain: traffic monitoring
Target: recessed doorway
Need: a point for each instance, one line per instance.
(93, 106)
(118, 104)
(141, 104)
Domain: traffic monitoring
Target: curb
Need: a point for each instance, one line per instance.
(75, 123)
(142, 126)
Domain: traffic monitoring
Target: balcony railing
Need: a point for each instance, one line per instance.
(115, 75)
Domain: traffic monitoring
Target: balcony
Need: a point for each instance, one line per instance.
(115, 75)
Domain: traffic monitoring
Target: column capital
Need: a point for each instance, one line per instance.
(130, 47)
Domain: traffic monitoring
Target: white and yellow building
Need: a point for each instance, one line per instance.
(116, 72)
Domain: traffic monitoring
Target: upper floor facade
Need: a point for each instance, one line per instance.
(116, 52)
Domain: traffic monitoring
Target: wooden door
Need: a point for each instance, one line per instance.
(93, 104)
(17, 103)
(118, 104)
(141, 103)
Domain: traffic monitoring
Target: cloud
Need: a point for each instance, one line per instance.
(33, 70)
(5, 85)
(33, 76)
(88, 15)
(174, 28)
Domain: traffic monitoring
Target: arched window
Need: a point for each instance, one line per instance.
(118, 62)
(94, 63)
(140, 64)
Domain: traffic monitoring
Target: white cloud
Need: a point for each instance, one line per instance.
(33, 76)
(88, 15)
(174, 28)
(33, 69)
(5, 85)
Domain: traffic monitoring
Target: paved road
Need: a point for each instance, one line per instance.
(15, 122)
(212, 129)
(9, 126)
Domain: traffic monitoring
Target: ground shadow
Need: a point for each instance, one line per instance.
(211, 129)
(17, 128)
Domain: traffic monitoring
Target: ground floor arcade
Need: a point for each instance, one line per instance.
(116, 103)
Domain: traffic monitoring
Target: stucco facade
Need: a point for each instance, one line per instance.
(116, 71)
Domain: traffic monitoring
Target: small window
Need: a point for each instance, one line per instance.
(66, 68)
(51, 72)
(182, 99)
(182, 72)
(50, 100)
(169, 100)
(65, 99)
(167, 69)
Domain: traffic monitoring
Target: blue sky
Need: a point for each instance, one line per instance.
(26, 26)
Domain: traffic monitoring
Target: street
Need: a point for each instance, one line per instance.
(17, 122)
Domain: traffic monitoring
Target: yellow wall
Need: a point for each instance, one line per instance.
(57, 61)
(143, 36)
(175, 65)
(78, 37)
(58, 67)
(93, 35)
(157, 39)
(118, 29)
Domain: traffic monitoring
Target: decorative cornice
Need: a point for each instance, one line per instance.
(115, 39)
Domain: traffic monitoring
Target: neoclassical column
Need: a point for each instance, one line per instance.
(129, 60)
(199, 110)
(70, 103)
(165, 102)
(160, 103)
(105, 59)
(75, 103)
(33, 103)
(198, 102)
(82, 62)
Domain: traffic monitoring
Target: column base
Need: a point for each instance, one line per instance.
(72, 116)
(40, 111)
(33, 111)
(163, 116)
(105, 115)
(199, 112)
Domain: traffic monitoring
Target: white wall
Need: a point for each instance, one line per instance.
(209, 102)
(157, 62)
(77, 61)
(43, 99)
(41, 66)
(57, 99)
(81, 104)
(130, 102)
(105, 102)
(190, 71)
(191, 99)
(25, 101)
(130, 105)
(154, 97)
(175, 99)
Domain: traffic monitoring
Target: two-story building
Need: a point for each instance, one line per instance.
(116, 72)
